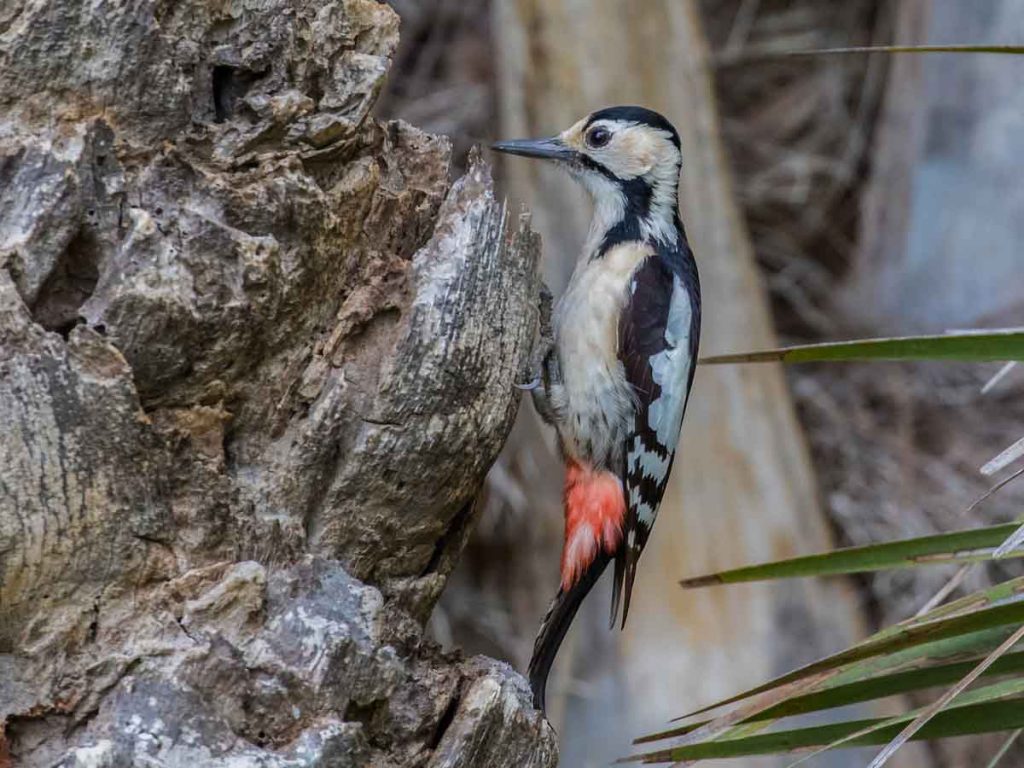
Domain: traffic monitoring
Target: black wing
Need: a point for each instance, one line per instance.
(659, 331)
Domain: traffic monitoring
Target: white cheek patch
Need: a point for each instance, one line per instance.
(631, 153)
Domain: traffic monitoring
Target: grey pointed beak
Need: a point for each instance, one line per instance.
(550, 149)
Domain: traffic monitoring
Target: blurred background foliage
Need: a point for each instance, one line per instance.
(881, 196)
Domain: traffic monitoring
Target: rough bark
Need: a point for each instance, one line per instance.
(255, 359)
(743, 488)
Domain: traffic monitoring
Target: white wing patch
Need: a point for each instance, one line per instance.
(671, 370)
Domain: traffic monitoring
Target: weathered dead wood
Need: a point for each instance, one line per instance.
(256, 355)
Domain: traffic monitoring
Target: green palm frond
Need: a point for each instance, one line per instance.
(967, 346)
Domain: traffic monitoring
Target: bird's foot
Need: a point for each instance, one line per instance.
(530, 385)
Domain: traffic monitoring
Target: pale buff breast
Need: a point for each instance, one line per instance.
(595, 403)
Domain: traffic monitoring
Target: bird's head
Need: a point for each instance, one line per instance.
(627, 158)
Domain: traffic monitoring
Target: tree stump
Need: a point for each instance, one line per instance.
(256, 355)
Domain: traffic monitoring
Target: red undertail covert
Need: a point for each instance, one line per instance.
(595, 510)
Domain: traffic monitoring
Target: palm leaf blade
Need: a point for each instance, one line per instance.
(1013, 50)
(964, 627)
(967, 719)
(944, 548)
(860, 691)
(979, 346)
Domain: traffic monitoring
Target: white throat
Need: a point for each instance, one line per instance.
(609, 210)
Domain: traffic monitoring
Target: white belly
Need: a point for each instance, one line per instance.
(595, 404)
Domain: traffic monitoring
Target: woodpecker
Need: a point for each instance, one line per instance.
(615, 378)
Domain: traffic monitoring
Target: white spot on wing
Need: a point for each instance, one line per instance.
(653, 466)
(645, 513)
(671, 370)
(646, 462)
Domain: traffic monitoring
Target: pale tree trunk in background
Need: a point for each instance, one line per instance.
(743, 489)
(942, 224)
(885, 204)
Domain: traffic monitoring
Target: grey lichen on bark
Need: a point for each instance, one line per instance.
(256, 355)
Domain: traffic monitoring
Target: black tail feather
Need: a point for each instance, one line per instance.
(556, 623)
(620, 570)
(630, 558)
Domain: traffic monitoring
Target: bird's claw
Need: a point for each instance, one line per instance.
(529, 386)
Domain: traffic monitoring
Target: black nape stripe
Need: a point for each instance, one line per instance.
(640, 115)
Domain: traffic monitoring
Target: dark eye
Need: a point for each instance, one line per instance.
(598, 137)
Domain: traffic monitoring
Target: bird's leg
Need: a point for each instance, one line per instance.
(544, 344)
(544, 361)
(550, 380)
